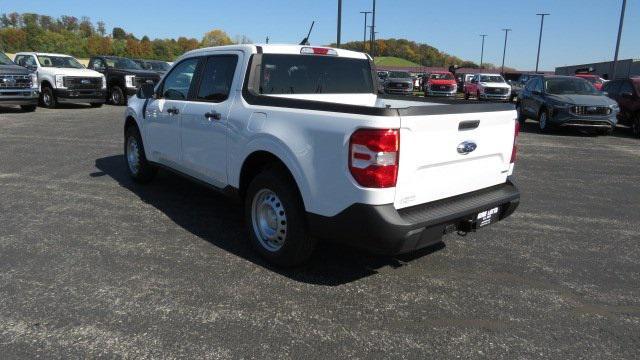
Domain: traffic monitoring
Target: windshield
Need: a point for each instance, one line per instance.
(66, 62)
(158, 65)
(122, 64)
(303, 74)
(491, 78)
(399, 75)
(569, 86)
(4, 59)
(441, 76)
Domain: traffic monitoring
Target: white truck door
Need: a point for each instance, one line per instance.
(164, 114)
(205, 118)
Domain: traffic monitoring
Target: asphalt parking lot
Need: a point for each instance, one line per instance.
(92, 265)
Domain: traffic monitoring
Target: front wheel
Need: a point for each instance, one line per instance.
(521, 117)
(117, 97)
(138, 166)
(466, 95)
(274, 214)
(48, 98)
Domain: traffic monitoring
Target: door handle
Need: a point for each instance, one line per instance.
(213, 115)
(173, 111)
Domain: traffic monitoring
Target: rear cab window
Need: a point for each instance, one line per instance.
(309, 74)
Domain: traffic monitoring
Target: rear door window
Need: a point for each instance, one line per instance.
(217, 78)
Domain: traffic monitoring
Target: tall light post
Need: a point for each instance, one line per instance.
(504, 51)
(364, 39)
(339, 23)
(540, 38)
(482, 51)
(615, 58)
(373, 30)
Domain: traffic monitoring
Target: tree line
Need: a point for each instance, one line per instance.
(82, 38)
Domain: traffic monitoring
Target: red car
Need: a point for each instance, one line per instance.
(440, 83)
(595, 80)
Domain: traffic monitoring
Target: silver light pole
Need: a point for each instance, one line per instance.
(339, 23)
(482, 51)
(504, 52)
(540, 38)
(373, 30)
(615, 59)
(364, 39)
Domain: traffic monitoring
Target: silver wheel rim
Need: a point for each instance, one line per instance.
(543, 120)
(133, 157)
(115, 97)
(269, 220)
(46, 98)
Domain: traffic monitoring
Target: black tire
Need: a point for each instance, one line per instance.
(635, 125)
(522, 118)
(608, 132)
(96, 105)
(543, 123)
(277, 191)
(144, 172)
(466, 95)
(48, 98)
(478, 96)
(28, 108)
(116, 96)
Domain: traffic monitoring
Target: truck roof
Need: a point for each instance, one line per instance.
(276, 49)
(41, 53)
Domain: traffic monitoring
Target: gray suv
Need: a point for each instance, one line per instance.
(18, 86)
(566, 101)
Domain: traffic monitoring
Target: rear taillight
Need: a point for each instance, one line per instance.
(514, 151)
(374, 156)
(318, 51)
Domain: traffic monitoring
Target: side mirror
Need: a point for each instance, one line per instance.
(627, 95)
(146, 91)
(32, 67)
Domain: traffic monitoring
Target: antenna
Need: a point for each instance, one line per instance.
(305, 41)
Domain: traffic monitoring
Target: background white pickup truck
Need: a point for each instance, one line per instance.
(62, 79)
(300, 134)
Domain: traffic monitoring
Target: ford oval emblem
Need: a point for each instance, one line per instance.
(466, 147)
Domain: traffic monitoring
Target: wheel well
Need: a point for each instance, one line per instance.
(46, 83)
(129, 122)
(542, 108)
(255, 164)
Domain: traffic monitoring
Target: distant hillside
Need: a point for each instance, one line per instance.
(393, 61)
(409, 53)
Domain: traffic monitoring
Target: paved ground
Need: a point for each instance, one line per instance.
(92, 265)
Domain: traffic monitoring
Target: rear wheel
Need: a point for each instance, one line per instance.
(635, 125)
(478, 95)
(48, 98)
(274, 214)
(521, 117)
(543, 121)
(28, 108)
(139, 168)
(466, 95)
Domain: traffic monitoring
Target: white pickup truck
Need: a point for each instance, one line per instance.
(301, 136)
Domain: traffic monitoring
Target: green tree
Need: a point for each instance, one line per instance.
(216, 37)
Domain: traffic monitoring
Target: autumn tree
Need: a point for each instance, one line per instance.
(216, 37)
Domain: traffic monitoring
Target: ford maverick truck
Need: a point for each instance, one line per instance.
(300, 134)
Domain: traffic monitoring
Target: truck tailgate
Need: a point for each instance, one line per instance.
(432, 168)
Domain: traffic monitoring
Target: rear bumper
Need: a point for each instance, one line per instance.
(79, 96)
(384, 230)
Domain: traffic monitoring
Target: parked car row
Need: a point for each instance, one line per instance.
(50, 79)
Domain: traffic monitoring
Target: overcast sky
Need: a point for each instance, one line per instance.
(578, 31)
